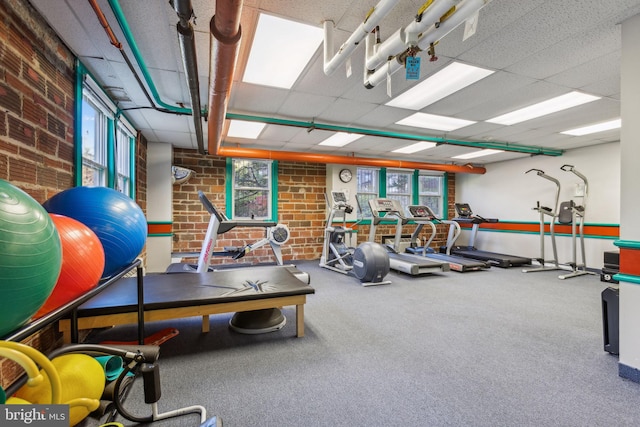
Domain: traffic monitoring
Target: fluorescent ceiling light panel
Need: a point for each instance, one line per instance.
(414, 148)
(281, 49)
(340, 139)
(432, 121)
(480, 153)
(598, 127)
(450, 79)
(553, 105)
(242, 129)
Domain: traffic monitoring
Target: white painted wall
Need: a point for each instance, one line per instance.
(507, 193)
(630, 226)
(350, 188)
(159, 204)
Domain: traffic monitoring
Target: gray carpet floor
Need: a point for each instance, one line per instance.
(491, 348)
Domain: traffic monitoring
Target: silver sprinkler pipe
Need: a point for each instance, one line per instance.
(434, 33)
(399, 41)
(188, 48)
(333, 61)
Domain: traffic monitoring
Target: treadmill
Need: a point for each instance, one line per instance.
(387, 210)
(424, 215)
(466, 216)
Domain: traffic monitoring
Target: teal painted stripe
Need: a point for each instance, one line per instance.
(586, 224)
(627, 278)
(160, 222)
(587, 236)
(161, 235)
(628, 244)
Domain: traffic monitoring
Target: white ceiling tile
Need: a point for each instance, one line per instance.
(538, 48)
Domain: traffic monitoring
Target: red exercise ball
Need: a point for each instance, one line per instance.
(82, 263)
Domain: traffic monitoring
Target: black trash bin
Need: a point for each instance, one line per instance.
(611, 320)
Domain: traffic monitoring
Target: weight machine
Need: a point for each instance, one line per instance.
(572, 213)
(553, 214)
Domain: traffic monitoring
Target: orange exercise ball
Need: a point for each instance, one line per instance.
(82, 263)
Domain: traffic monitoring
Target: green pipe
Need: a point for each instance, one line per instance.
(132, 168)
(627, 244)
(627, 278)
(111, 153)
(124, 26)
(373, 132)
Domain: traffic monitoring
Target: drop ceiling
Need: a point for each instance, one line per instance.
(537, 49)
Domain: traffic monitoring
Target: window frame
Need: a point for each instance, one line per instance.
(410, 196)
(442, 213)
(415, 192)
(272, 188)
(115, 124)
(365, 211)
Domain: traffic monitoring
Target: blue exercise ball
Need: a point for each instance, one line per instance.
(30, 256)
(117, 220)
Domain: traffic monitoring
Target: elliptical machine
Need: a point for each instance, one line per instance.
(572, 213)
(369, 262)
(553, 214)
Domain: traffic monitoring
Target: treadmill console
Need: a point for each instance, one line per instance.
(464, 210)
(419, 211)
(339, 196)
(382, 205)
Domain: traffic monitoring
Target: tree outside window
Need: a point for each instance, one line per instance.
(252, 189)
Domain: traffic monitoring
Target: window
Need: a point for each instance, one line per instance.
(94, 144)
(399, 187)
(124, 144)
(430, 189)
(252, 188)
(368, 183)
(105, 146)
(406, 186)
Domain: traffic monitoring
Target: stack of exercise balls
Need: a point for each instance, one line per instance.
(51, 254)
(30, 256)
(114, 217)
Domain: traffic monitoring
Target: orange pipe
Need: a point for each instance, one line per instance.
(105, 24)
(344, 160)
(225, 41)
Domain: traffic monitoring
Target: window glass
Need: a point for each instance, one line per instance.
(368, 184)
(252, 188)
(94, 144)
(123, 160)
(399, 187)
(430, 192)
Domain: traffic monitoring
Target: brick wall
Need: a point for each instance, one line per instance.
(301, 188)
(36, 98)
(37, 123)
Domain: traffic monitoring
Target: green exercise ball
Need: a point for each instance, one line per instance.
(30, 257)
